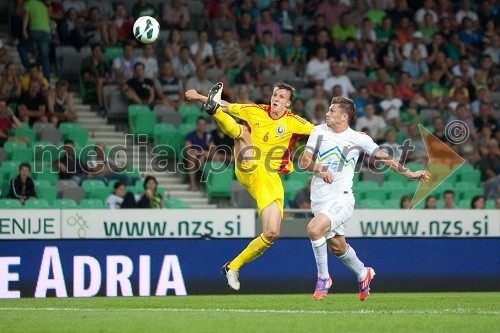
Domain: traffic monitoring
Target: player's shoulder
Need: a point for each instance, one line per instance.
(296, 117)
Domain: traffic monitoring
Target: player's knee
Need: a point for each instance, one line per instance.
(313, 230)
(272, 235)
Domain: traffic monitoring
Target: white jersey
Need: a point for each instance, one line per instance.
(340, 152)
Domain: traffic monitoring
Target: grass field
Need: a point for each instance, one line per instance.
(410, 312)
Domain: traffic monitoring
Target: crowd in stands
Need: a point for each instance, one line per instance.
(403, 62)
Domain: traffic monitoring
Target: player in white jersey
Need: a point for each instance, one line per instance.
(331, 153)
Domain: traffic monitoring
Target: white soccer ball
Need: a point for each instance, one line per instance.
(146, 29)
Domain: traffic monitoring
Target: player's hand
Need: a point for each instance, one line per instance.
(421, 175)
(327, 176)
(191, 94)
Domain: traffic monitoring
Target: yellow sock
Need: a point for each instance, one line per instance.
(252, 252)
(227, 124)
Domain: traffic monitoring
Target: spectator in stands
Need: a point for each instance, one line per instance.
(493, 51)
(173, 46)
(199, 82)
(385, 31)
(221, 145)
(449, 199)
(344, 29)
(376, 13)
(10, 84)
(32, 105)
(427, 8)
(497, 203)
(35, 29)
(202, 51)
(368, 61)
(175, 15)
(150, 198)
(405, 202)
(123, 67)
(122, 26)
(317, 98)
(390, 106)
(323, 40)
(490, 170)
(487, 66)
(319, 117)
(16, 21)
(252, 72)
(285, 17)
(417, 42)
(139, 89)
(95, 28)
(295, 55)
(115, 200)
(340, 78)
(60, 105)
(377, 87)
(149, 61)
(366, 32)
(8, 120)
(318, 68)
(246, 33)
(183, 65)
(168, 88)
(439, 130)
(312, 32)
(104, 6)
(390, 54)
(429, 28)
(303, 197)
(69, 165)
(78, 5)
(434, 92)
(418, 154)
(196, 150)
(266, 92)
(144, 8)
(266, 23)
(375, 124)
(430, 202)
(363, 98)
(22, 187)
(96, 73)
(416, 68)
(227, 92)
(477, 202)
(35, 75)
(71, 31)
(390, 146)
(486, 118)
(269, 52)
(400, 11)
(471, 37)
(245, 7)
(228, 52)
(348, 53)
(463, 69)
(5, 56)
(298, 107)
(106, 168)
(331, 10)
(463, 114)
(465, 11)
(225, 20)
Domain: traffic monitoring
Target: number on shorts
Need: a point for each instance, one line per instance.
(337, 208)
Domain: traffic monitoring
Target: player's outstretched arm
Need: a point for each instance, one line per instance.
(192, 94)
(393, 164)
(306, 162)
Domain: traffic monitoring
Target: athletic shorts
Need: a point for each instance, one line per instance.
(264, 186)
(339, 211)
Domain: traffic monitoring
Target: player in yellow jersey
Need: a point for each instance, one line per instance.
(262, 152)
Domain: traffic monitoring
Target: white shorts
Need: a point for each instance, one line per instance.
(339, 211)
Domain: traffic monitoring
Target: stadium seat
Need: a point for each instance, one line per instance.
(464, 204)
(392, 204)
(219, 182)
(64, 203)
(51, 135)
(113, 52)
(167, 114)
(61, 184)
(74, 193)
(473, 176)
(3, 154)
(10, 169)
(465, 187)
(390, 175)
(167, 140)
(292, 187)
(174, 203)
(79, 136)
(396, 194)
(374, 193)
(300, 175)
(10, 204)
(390, 185)
(66, 128)
(41, 183)
(89, 94)
(490, 204)
(190, 113)
(101, 193)
(48, 193)
(371, 204)
(24, 132)
(12, 146)
(47, 175)
(91, 203)
(36, 204)
(469, 194)
(22, 155)
(145, 124)
(133, 110)
(89, 184)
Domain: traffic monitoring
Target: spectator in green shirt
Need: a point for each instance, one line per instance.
(385, 31)
(376, 14)
(143, 8)
(344, 29)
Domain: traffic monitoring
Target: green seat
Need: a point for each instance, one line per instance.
(10, 169)
(371, 204)
(219, 183)
(464, 204)
(36, 204)
(133, 112)
(46, 151)
(468, 195)
(464, 187)
(39, 183)
(64, 203)
(91, 203)
(5, 187)
(490, 204)
(89, 184)
(414, 166)
(392, 176)
(22, 155)
(89, 94)
(397, 193)
(231, 75)
(391, 185)
(47, 175)
(473, 176)
(66, 128)
(175, 203)
(25, 132)
(292, 187)
(101, 193)
(466, 167)
(392, 204)
(374, 193)
(190, 114)
(113, 52)
(78, 136)
(48, 192)
(12, 146)
(10, 204)
(300, 176)
(145, 123)
(185, 129)
(160, 129)
(412, 186)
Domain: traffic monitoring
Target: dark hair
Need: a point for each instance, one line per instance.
(267, 32)
(147, 179)
(474, 200)
(118, 184)
(429, 198)
(62, 83)
(24, 164)
(137, 64)
(346, 105)
(448, 192)
(34, 65)
(283, 85)
(201, 118)
(94, 45)
(403, 198)
(67, 141)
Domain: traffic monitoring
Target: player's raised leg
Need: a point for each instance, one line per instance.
(347, 255)
(213, 107)
(316, 230)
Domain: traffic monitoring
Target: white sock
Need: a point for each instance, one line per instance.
(352, 262)
(321, 255)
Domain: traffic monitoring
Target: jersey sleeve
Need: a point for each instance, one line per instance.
(312, 142)
(300, 125)
(368, 145)
(239, 110)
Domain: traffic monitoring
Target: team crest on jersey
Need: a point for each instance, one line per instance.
(280, 130)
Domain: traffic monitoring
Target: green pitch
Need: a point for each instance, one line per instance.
(412, 312)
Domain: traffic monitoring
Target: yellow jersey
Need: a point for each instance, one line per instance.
(273, 139)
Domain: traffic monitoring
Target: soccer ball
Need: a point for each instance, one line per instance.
(146, 29)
